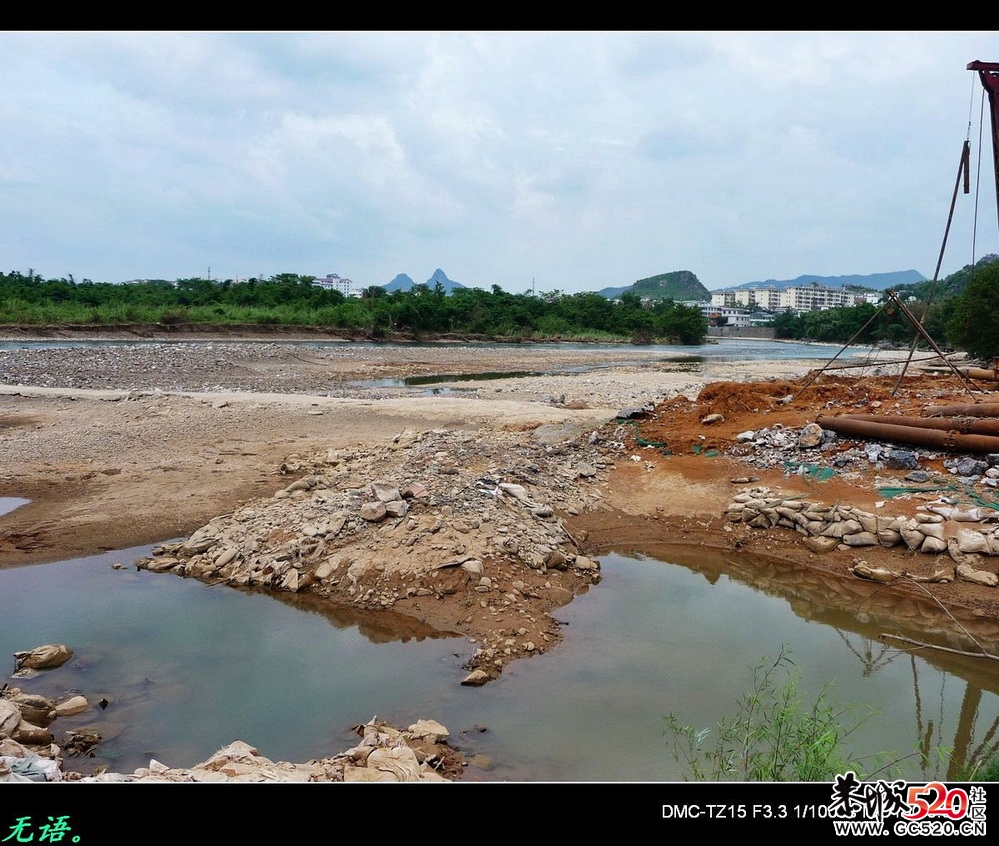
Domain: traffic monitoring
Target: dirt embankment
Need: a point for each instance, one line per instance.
(698, 455)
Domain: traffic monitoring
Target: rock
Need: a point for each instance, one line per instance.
(713, 418)
(385, 491)
(398, 763)
(396, 508)
(476, 678)
(195, 545)
(72, 706)
(557, 560)
(373, 512)
(36, 709)
(810, 436)
(902, 459)
(43, 657)
(161, 564)
(226, 556)
(428, 730)
(473, 566)
(32, 735)
(966, 573)
(516, 491)
(584, 563)
(969, 467)
(745, 437)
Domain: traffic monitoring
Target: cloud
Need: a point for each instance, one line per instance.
(579, 159)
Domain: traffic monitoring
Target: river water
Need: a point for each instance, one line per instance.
(188, 668)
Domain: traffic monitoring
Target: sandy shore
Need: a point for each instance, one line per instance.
(100, 439)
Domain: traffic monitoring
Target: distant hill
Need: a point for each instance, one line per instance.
(679, 285)
(440, 276)
(403, 282)
(876, 281)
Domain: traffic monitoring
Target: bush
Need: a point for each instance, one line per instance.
(773, 736)
(174, 317)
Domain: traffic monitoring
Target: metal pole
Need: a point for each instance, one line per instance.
(988, 73)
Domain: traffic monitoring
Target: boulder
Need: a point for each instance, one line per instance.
(43, 657)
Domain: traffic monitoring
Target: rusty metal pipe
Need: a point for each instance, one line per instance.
(977, 409)
(964, 425)
(980, 373)
(910, 435)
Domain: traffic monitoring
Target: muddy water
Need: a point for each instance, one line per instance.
(188, 668)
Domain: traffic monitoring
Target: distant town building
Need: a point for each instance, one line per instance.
(799, 298)
(335, 282)
(720, 315)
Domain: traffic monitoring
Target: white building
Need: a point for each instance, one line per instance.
(335, 282)
(812, 297)
(736, 317)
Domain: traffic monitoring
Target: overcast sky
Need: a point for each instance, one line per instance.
(578, 160)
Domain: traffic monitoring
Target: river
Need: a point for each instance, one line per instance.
(188, 668)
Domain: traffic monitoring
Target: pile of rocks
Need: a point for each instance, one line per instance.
(438, 518)
(779, 446)
(419, 753)
(937, 529)
(25, 717)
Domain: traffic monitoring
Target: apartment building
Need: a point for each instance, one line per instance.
(799, 298)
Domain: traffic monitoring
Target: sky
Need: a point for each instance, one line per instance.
(562, 161)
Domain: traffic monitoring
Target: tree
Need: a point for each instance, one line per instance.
(974, 325)
(787, 324)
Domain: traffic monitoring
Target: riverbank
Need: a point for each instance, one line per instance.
(99, 437)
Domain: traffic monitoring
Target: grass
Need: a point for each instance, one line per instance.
(774, 736)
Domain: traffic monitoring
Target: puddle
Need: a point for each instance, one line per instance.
(436, 379)
(10, 503)
(681, 359)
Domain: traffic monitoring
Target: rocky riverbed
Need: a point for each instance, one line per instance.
(474, 511)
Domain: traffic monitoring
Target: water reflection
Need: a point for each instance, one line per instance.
(871, 625)
(378, 627)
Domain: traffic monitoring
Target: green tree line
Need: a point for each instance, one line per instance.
(291, 299)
